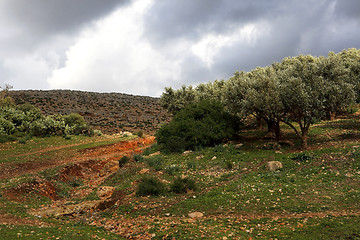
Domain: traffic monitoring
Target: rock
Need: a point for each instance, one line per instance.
(239, 145)
(213, 158)
(144, 171)
(273, 165)
(105, 192)
(196, 215)
(199, 157)
(187, 152)
(155, 154)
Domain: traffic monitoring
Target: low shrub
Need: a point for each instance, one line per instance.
(155, 162)
(139, 134)
(150, 186)
(123, 161)
(302, 157)
(138, 158)
(172, 169)
(182, 185)
(228, 165)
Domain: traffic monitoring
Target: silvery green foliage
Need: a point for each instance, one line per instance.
(6, 127)
(234, 93)
(350, 59)
(309, 90)
(175, 100)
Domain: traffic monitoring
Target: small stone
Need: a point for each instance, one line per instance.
(196, 215)
(199, 157)
(273, 165)
(144, 171)
(187, 152)
(167, 214)
(213, 158)
(155, 154)
(239, 145)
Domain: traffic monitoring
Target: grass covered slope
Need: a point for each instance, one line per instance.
(314, 196)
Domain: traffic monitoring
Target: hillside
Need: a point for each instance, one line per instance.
(108, 112)
(81, 188)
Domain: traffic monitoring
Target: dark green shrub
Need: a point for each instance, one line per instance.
(155, 162)
(198, 125)
(228, 165)
(123, 161)
(182, 185)
(139, 133)
(172, 169)
(138, 158)
(6, 138)
(22, 141)
(150, 186)
(302, 157)
(191, 165)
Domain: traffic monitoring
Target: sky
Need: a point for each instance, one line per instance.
(140, 47)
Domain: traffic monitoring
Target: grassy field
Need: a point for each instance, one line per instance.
(314, 196)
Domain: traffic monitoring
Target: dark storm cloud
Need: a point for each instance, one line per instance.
(171, 20)
(49, 16)
(295, 27)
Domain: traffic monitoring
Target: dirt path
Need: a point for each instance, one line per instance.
(100, 152)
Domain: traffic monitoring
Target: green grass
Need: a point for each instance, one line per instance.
(69, 231)
(237, 195)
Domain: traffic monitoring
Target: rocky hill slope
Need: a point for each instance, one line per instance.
(108, 112)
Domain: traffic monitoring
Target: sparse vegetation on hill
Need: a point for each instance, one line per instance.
(108, 112)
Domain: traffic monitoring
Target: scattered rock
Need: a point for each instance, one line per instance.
(187, 152)
(239, 145)
(199, 157)
(155, 154)
(349, 175)
(144, 171)
(105, 192)
(196, 215)
(273, 165)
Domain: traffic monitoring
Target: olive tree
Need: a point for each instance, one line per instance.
(262, 98)
(175, 100)
(307, 95)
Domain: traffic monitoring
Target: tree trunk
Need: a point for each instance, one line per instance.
(304, 138)
(259, 123)
(332, 116)
(277, 131)
(274, 128)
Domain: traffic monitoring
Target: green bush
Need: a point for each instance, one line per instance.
(182, 185)
(199, 125)
(138, 158)
(139, 134)
(123, 161)
(172, 169)
(155, 162)
(150, 186)
(6, 138)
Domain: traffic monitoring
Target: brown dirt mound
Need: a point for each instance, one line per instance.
(36, 186)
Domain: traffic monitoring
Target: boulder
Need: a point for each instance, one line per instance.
(196, 214)
(273, 166)
(105, 192)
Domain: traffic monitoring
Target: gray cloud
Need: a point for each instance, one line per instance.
(61, 43)
(48, 17)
